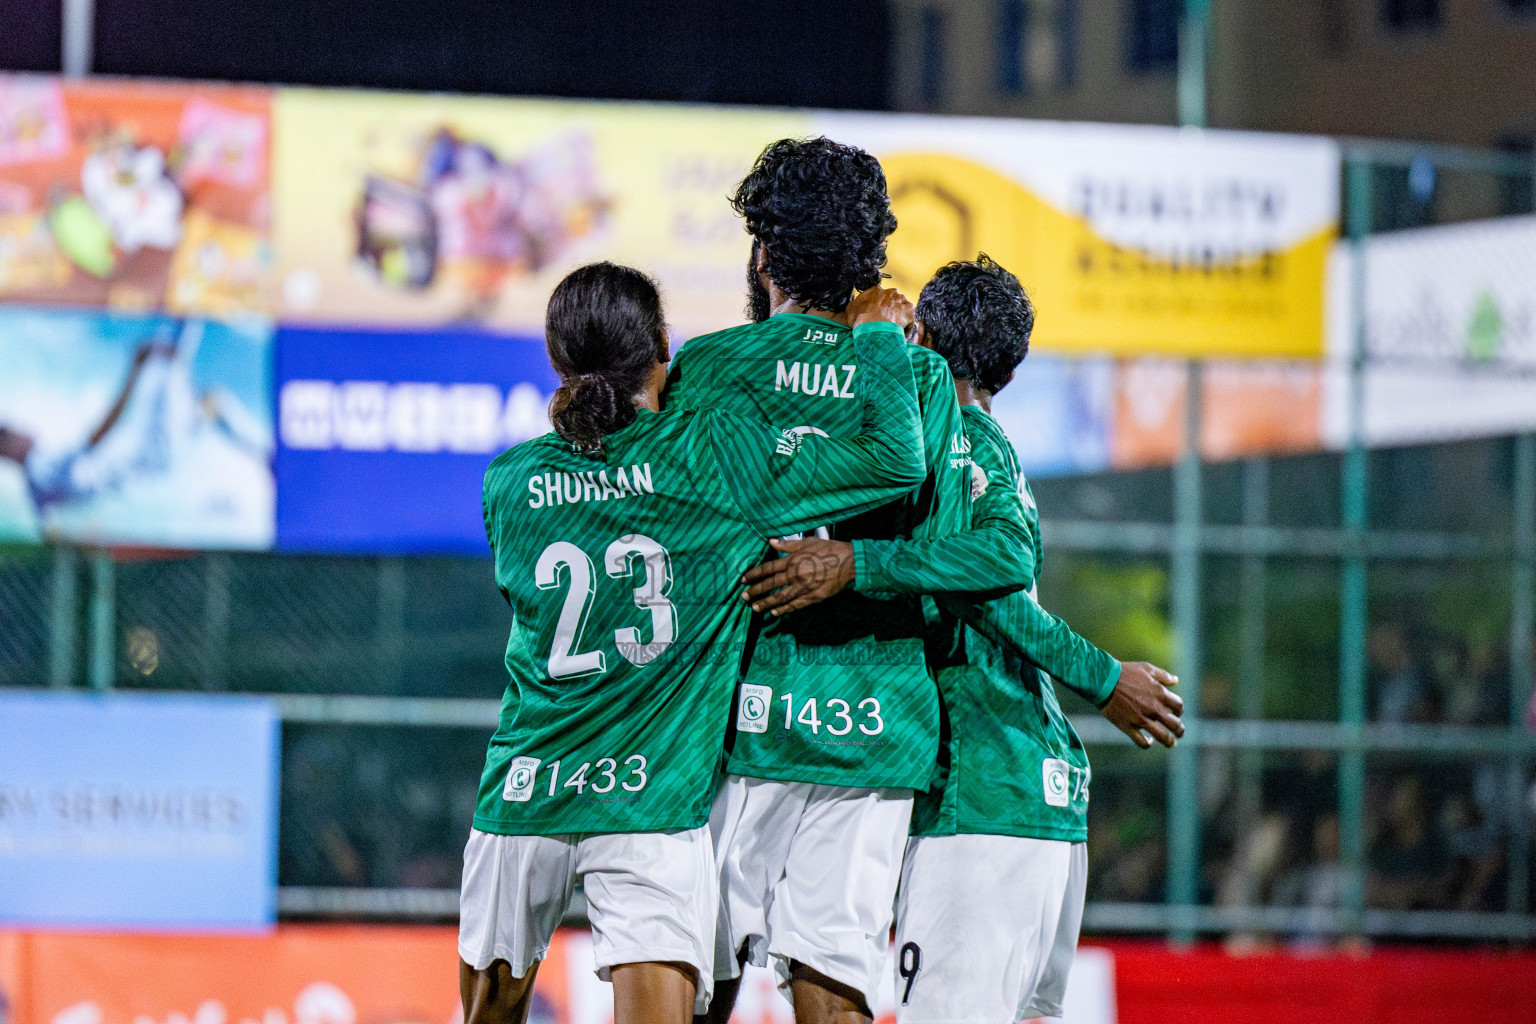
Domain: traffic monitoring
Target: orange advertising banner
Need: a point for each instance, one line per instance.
(1246, 409)
(304, 974)
(134, 195)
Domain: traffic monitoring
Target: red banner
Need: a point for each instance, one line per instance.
(1206, 985)
(339, 974)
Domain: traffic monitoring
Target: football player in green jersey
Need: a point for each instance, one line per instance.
(837, 719)
(994, 876)
(618, 540)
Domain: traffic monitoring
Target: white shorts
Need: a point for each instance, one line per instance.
(808, 873)
(651, 897)
(986, 928)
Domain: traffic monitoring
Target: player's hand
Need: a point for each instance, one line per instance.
(811, 570)
(1142, 704)
(879, 303)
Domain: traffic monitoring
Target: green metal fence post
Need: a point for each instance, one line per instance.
(1194, 50)
(1251, 627)
(64, 620)
(1352, 597)
(1522, 621)
(103, 639)
(1183, 813)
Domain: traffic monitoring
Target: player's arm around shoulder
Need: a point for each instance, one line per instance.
(787, 480)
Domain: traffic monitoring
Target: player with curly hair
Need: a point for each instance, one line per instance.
(837, 715)
(995, 873)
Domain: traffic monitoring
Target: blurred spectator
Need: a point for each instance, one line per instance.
(1258, 859)
(1316, 886)
(1477, 853)
(1406, 868)
(1400, 693)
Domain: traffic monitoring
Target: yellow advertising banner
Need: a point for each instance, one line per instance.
(427, 209)
(1132, 240)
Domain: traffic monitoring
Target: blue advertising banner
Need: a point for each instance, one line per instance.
(1057, 412)
(135, 429)
(138, 811)
(384, 436)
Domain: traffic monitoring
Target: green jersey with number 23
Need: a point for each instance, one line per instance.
(622, 576)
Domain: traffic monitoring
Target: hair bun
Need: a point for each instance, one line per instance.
(584, 404)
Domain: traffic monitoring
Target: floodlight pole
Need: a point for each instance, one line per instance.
(79, 33)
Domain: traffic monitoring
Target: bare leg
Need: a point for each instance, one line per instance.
(820, 1000)
(652, 993)
(493, 996)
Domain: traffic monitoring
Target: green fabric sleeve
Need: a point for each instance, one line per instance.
(993, 558)
(788, 480)
(1019, 623)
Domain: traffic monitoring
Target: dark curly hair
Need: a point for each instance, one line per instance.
(979, 318)
(822, 214)
(605, 332)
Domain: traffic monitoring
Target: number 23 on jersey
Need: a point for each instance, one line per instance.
(566, 659)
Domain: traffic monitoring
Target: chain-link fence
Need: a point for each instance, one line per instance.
(1352, 628)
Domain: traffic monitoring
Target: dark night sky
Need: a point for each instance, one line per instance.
(792, 52)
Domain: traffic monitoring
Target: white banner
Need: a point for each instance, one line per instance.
(1450, 334)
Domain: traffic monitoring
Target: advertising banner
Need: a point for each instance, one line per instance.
(1450, 339)
(428, 209)
(382, 974)
(1135, 240)
(1058, 413)
(384, 437)
(338, 974)
(138, 812)
(134, 195)
(1132, 240)
(1247, 409)
(135, 429)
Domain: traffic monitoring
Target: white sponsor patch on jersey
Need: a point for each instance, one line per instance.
(521, 774)
(1056, 779)
(752, 712)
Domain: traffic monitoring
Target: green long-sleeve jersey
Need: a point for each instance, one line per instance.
(1014, 764)
(840, 694)
(622, 573)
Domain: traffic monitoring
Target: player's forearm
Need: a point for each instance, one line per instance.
(1019, 623)
(983, 564)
